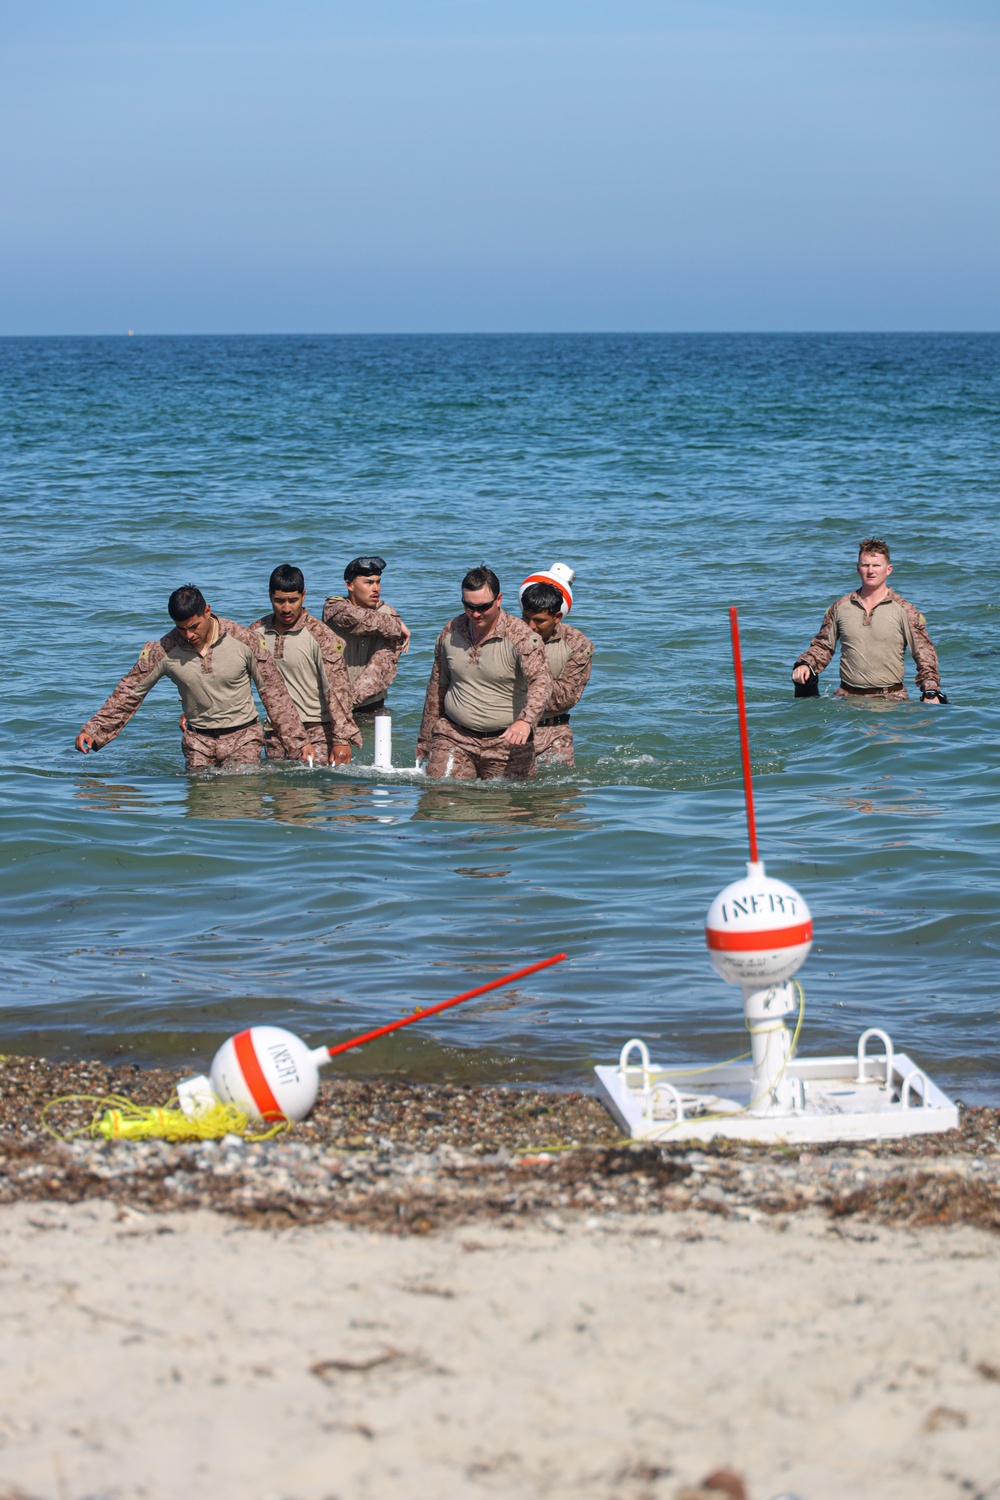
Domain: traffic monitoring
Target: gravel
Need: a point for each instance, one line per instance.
(409, 1159)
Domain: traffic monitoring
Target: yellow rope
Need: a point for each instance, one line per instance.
(693, 1072)
(116, 1118)
(744, 1109)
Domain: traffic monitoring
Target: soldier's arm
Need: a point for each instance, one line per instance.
(922, 650)
(337, 684)
(819, 653)
(378, 674)
(433, 700)
(567, 688)
(535, 666)
(111, 718)
(271, 687)
(350, 619)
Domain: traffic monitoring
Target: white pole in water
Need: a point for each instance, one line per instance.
(383, 741)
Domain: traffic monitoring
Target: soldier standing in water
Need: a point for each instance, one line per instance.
(874, 626)
(545, 597)
(310, 659)
(212, 662)
(488, 687)
(373, 635)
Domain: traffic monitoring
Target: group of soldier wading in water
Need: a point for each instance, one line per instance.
(501, 689)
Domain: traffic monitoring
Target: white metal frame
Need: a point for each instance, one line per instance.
(855, 1097)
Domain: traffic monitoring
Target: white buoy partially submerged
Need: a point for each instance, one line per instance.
(272, 1075)
(382, 760)
(759, 932)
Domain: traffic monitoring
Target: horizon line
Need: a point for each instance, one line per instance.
(527, 333)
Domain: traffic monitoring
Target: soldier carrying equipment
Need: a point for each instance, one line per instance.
(212, 662)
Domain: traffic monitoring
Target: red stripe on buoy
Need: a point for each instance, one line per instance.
(757, 942)
(253, 1076)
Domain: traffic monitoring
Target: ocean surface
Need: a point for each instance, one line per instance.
(148, 914)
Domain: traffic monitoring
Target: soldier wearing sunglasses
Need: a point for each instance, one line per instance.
(488, 688)
(373, 635)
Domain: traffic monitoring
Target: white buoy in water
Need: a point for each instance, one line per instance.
(383, 741)
(759, 932)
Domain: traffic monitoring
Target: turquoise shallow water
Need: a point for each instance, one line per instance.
(148, 914)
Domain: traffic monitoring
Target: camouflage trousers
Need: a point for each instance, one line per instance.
(463, 756)
(320, 736)
(554, 744)
(241, 747)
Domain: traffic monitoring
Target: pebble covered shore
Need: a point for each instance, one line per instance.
(409, 1159)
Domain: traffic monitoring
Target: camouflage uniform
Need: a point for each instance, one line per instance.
(475, 693)
(222, 723)
(373, 642)
(570, 656)
(872, 647)
(310, 659)
(238, 747)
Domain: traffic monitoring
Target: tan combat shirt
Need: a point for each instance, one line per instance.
(570, 656)
(214, 688)
(873, 643)
(372, 641)
(310, 659)
(485, 688)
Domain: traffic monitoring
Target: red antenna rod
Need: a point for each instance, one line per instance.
(432, 1010)
(741, 707)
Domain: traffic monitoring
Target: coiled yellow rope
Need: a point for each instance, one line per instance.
(116, 1118)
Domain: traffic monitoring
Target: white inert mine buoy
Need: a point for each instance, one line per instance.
(382, 760)
(268, 1073)
(759, 932)
(272, 1075)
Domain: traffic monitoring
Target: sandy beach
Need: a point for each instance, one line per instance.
(152, 1354)
(456, 1292)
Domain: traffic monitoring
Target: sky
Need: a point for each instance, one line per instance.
(398, 166)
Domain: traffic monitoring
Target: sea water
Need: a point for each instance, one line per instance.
(149, 913)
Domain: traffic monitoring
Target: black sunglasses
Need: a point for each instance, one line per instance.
(479, 609)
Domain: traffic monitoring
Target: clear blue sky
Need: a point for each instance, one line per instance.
(412, 165)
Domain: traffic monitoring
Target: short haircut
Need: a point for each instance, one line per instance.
(481, 578)
(185, 602)
(542, 598)
(286, 579)
(874, 544)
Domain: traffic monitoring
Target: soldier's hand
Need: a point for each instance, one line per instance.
(341, 755)
(84, 743)
(406, 640)
(517, 733)
(182, 721)
(801, 673)
(307, 752)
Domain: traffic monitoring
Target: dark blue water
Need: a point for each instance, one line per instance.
(147, 914)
